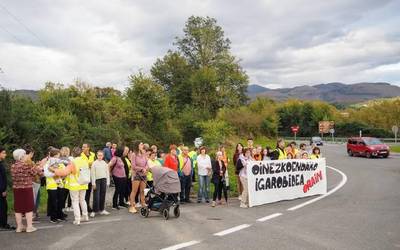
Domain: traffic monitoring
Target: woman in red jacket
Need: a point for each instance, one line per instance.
(171, 160)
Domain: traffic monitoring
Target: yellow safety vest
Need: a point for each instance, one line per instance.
(282, 154)
(193, 156)
(313, 156)
(89, 159)
(52, 184)
(72, 180)
(129, 167)
(149, 175)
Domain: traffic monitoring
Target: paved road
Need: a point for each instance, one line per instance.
(363, 214)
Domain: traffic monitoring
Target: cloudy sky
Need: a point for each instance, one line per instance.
(280, 43)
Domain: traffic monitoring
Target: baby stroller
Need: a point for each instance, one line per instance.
(164, 193)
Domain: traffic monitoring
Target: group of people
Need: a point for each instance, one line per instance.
(71, 178)
(243, 155)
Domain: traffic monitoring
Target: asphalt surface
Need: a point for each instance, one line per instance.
(363, 214)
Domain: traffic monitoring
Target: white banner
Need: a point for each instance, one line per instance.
(271, 181)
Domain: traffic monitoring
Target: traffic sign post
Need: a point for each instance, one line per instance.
(395, 130)
(295, 129)
(332, 131)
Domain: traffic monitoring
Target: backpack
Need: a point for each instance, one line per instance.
(239, 166)
(84, 176)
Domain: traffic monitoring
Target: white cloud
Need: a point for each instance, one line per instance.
(281, 43)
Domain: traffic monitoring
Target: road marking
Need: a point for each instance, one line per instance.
(341, 184)
(269, 217)
(49, 227)
(182, 245)
(232, 230)
(100, 221)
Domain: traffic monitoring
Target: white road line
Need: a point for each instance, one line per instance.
(341, 184)
(100, 221)
(269, 217)
(232, 230)
(182, 245)
(49, 227)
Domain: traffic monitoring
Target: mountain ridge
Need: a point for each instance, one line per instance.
(334, 92)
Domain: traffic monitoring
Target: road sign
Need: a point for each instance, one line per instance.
(395, 130)
(295, 129)
(325, 126)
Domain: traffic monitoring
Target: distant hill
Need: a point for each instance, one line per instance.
(33, 94)
(331, 92)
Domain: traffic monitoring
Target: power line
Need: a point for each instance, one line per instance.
(23, 25)
(11, 34)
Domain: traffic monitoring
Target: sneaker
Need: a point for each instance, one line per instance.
(242, 205)
(115, 208)
(240, 198)
(128, 202)
(92, 214)
(104, 212)
(207, 201)
(213, 203)
(132, 210)
(31, 229)
(124, 205)
(85, 218)
(20, 230)
(69, 209)
(53, 221)
(7, 228)
(198, 201)
(76, 222)
(138, 205)
(62, 219)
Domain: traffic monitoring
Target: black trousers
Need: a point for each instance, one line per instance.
(186, 183)
(128, 189)
(61, 197)
(119, 193)
(3, 211)
(220, 186)
(87, 197)
(55, 200)
(99, 195)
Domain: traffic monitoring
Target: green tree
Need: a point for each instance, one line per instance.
(148, 101)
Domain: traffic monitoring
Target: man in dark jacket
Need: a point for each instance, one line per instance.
(3, 192)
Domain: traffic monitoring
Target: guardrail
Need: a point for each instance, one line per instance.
(329, 139)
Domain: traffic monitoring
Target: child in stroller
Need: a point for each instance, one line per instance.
(164, 193)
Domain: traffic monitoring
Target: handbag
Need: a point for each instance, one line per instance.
(84, 176)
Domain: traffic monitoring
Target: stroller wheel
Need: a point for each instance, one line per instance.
(177, 211)
(144, 211)
(165, 214)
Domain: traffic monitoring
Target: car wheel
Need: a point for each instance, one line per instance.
(350, 153)
(368, 154)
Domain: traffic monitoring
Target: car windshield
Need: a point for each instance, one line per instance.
(372, 141)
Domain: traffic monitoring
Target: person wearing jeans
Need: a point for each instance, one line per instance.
(185, 174)
(100, 176)
(204, 171)
(117, 168)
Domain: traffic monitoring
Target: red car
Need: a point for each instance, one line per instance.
(367, 146)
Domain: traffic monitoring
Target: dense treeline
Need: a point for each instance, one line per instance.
(199, 89)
